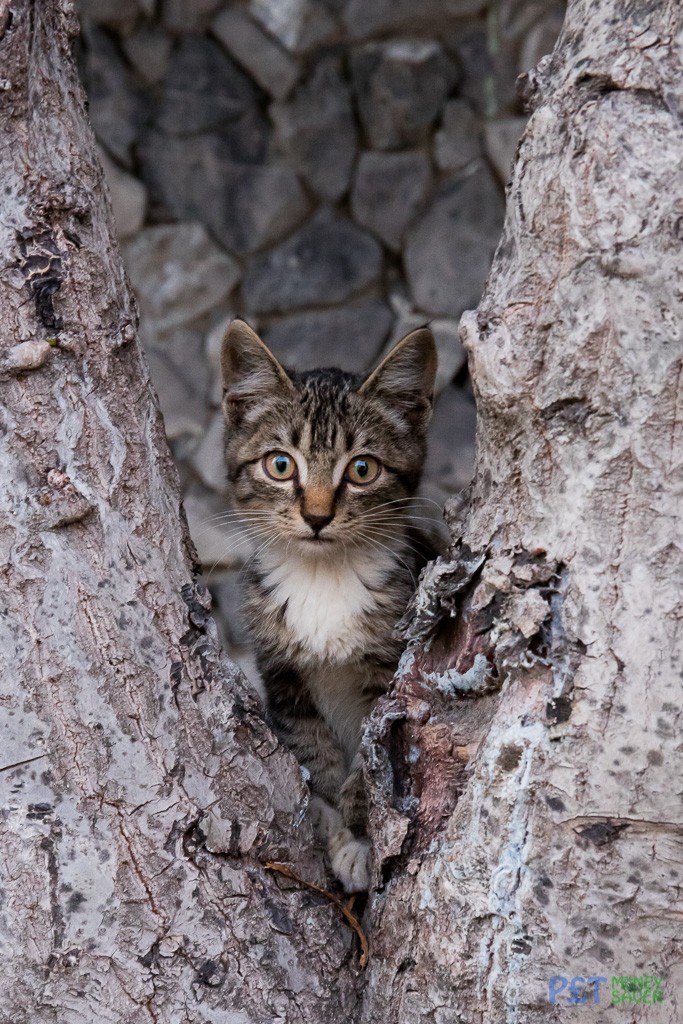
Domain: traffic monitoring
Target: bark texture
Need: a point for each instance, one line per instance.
(539, 830)
(141, 791)
(526, 797)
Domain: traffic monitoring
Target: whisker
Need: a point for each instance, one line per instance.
(392, 517)
(230, 528)
(414, 544)
(237, 515)
(244, 566)
(235, 531)
(399, 501)
(379, 544)
(263, 547)
(249, 536)
(242, 512)
(426, 548)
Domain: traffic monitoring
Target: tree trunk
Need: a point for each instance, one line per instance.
(142, 792)
(539, 830)
(526, 802)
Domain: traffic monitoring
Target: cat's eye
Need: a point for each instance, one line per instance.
(279, 466)
(363, 470)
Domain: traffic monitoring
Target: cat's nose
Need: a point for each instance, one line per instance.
(316, 523)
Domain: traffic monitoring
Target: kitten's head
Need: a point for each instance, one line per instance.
(321, 461)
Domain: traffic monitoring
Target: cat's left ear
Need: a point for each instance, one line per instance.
(406, 376)
(251, 373)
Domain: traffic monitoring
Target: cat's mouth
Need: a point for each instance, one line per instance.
(318, 540)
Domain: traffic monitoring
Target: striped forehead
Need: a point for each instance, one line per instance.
(324, 423)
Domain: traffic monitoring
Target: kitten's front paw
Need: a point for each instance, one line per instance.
(350, 860)
(326, 820)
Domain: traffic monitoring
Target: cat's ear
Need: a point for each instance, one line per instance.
(251, 373)
(405, 377)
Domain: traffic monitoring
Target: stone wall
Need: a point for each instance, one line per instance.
(333, 170)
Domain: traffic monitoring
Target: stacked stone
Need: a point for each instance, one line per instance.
(332, 170)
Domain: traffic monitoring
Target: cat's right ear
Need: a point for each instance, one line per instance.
(251, 373)
(405, 377)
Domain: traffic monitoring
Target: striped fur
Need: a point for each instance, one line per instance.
(335, 562)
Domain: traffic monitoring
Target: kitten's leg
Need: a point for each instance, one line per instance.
(353, 801)
(348, 846)
(349, 855)
(325, 760)
(300, 727)
(350, 860)
(317, 749)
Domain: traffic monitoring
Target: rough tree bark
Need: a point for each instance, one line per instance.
(539, 828)
(141, 791)
(526, 800)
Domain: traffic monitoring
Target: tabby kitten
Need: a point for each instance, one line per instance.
(322, 466)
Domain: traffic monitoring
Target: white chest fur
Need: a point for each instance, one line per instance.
(325, 601)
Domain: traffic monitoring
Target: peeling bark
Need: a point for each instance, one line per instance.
(537, 829)
(141, 791)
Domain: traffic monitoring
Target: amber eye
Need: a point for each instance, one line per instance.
(363, 470)
(279, 466)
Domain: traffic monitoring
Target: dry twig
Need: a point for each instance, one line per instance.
(345, 908)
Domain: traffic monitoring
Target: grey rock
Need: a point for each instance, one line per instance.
(407, 319)
(148, 50)
(119, 15)
(400, 87)
(183, 345)
(458, 140)
(204, 89)
(349, 337)
(478, 84)
(299, 25)
(171, 163)
(178, 273)
(449, 252)
(229, 599)
(245, 206)
(212, 356)
(267, 63)
(208, 459)
(317, 132)
(182, 409)
(325, 262)
(512, 22)
(501, 139)
(452, 355)
(450, 459)
(119, 111)
(128, 198)
(181, 16)
(388, 191)
(542, 37)
(217, 544)
(180, 376)
(364, 18)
